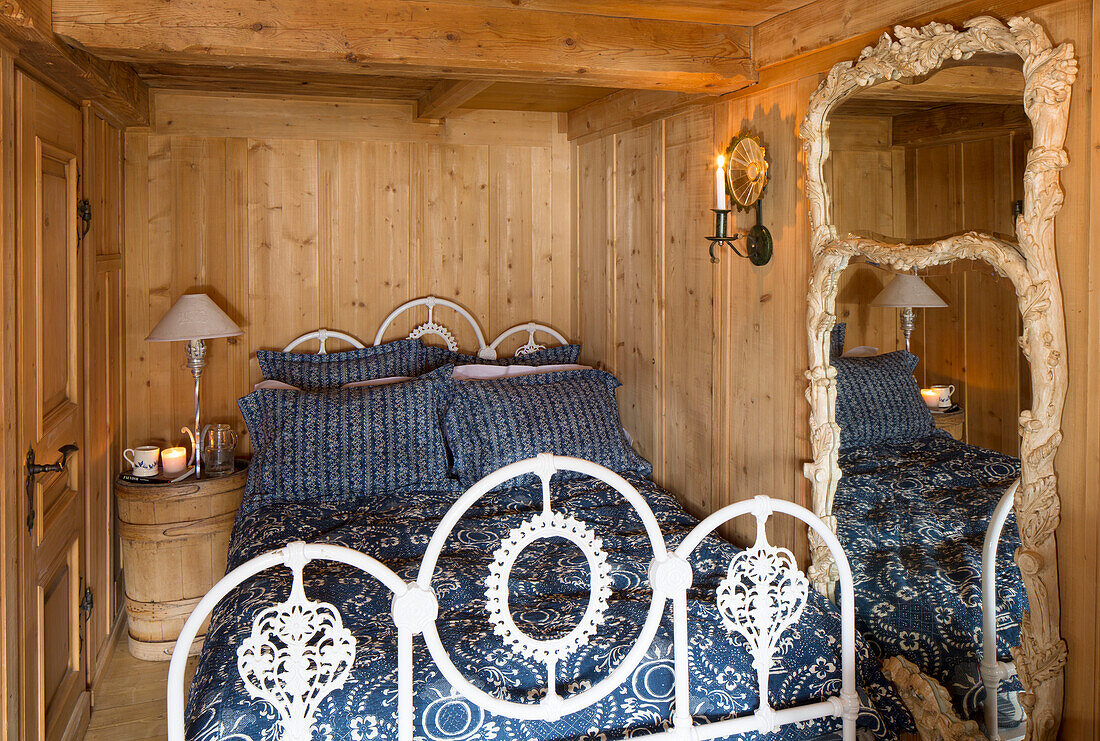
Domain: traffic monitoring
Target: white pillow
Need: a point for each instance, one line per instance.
(863, 351)
(475, 372)
(279, 385)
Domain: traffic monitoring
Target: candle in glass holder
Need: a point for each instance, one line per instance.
(174, 460)
(931, 398)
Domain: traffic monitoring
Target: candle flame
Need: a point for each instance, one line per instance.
(721, 160)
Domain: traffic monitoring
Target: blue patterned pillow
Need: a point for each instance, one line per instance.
(340, 444)
(490, 424)
(877, 400)
(836, 339)
(560, 355)
(311, 372)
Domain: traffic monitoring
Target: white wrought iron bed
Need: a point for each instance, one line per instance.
(298, 651)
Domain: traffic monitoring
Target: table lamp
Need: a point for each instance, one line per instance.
(908, 292)
(193, 319)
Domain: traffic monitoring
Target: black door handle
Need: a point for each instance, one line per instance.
(33, 469)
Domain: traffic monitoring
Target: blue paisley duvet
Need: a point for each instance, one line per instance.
(549, 590)
(912, 517)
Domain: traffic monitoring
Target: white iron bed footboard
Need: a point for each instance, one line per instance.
(993, 672)
(299, 650)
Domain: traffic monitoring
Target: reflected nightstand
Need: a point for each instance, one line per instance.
(953, 422)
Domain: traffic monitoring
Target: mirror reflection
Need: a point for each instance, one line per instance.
(922, 158)
(930, 377)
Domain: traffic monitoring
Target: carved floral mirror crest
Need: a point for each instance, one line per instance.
(1029, 263)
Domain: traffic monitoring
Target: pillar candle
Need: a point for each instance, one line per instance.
(720, 183)
(174, 460)
(931, 397)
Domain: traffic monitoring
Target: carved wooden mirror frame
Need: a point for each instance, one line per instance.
(1049, 73)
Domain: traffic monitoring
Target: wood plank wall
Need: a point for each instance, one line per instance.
(295, 214)
(103, 342)
(918, 192)
(710, 355)
(726, 378)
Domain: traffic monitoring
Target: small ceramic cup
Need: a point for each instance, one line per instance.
(144, 459)
(945, 392)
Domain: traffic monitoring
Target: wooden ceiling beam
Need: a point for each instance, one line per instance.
(957, 122)
(416, 37)
(115, 87)
(446, 96)
(628, 108)
(825, 23)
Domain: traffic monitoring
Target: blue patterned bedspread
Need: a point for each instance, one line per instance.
(549, 592)
(912, 517)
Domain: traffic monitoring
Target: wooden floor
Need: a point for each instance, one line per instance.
(129, 704)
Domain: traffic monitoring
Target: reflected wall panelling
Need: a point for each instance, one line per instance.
(296, 231)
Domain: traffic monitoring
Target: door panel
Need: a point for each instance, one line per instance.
(48, 144)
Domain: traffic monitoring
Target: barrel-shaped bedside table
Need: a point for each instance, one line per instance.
(175, 538)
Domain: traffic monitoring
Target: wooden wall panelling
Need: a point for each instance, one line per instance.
(637, 284)
(295, 232)
(595, 217)
(11, 479)
(453, 208)
(687, 339)
(102, 255)
(1079, 454)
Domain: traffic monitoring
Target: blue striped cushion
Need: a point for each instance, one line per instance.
(560, 355)
(877, 400)
(311, 372)
(340, 444)
(490, 424)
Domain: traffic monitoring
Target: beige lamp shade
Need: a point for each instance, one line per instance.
(193, 317)
(908, 291)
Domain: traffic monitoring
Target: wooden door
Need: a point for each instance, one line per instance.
(54, 674)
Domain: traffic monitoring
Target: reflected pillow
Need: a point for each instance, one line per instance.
(340, 444)
(836, 339)
(490, 424)
(878, 400)
(308, 371)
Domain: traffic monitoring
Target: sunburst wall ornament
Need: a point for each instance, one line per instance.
(742, 174)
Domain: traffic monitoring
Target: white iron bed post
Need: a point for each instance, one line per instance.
(993, 671)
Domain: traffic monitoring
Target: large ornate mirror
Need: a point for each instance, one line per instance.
(937, 363)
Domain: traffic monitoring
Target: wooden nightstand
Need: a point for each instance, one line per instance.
(175, 539)
(953, 423)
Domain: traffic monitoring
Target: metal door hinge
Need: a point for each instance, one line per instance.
(87, 603)
(84, 213)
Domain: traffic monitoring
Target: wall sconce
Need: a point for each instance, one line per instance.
(741, 174)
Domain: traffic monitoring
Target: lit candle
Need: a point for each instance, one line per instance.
(720, 182)
(931, 398)
(174, 460)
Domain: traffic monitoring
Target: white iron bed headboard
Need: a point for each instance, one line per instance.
(762, 595)
(484, 351)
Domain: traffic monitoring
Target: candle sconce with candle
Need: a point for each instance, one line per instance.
(741, 174)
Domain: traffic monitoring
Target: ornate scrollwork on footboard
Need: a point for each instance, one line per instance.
(298, 653)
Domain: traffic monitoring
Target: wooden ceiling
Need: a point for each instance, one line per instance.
(594, 58)
(540, 55)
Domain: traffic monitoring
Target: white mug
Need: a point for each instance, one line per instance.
(945, 392)
(144, 459)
